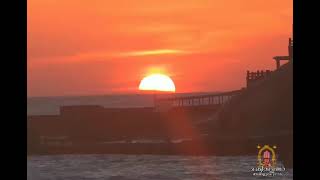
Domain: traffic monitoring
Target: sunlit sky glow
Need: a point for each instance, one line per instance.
(153, 52)
(80, 47)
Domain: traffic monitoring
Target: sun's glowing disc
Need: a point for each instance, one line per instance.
(157, 82)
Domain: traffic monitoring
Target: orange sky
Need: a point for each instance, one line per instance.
(82, 47)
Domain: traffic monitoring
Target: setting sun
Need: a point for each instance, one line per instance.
(157, 82)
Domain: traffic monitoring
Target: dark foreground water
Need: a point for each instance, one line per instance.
(144, 167)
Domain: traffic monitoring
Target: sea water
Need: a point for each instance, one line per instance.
(145, 167)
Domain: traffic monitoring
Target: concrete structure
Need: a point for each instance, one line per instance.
(285, 58)
(254, 77)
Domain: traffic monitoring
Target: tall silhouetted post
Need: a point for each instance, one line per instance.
(278, 63)
(290, 49)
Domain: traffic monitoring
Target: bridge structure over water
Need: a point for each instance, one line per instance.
(217, 99)
(198, 100)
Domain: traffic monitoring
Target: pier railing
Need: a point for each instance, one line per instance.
(199, 100)
(253, 77)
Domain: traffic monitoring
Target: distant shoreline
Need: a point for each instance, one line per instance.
(123, 94)
(50, 105)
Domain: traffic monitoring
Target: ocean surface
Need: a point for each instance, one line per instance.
(51, 105)
(145, 167)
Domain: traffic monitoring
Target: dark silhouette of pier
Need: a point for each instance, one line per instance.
(200, 100)
(252, 79)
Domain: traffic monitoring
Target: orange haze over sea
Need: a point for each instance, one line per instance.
(81, 47)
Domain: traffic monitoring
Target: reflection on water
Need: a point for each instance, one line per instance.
(142, 167)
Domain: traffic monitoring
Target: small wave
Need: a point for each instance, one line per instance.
(120, 178)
